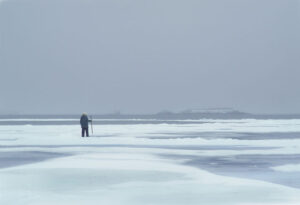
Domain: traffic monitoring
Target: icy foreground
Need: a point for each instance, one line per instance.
(202, 162)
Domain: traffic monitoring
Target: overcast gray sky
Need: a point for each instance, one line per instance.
(140, 56)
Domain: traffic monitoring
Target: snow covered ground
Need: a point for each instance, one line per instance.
(190, 162)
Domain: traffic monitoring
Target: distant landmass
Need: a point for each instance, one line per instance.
(192, 114)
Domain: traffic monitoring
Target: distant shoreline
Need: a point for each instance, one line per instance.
(160, 116)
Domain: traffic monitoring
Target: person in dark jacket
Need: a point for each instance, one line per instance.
(84, 122)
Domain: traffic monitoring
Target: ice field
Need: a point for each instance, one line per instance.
(230, 162)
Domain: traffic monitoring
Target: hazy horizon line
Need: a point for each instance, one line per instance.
(150, 113)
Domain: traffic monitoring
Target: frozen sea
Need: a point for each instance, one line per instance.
(153, 162)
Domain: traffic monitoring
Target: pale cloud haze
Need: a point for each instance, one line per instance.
(69, 56)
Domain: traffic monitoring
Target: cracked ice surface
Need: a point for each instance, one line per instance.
(214, 162)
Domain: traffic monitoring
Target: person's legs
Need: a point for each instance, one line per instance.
(82, 132)
(87, 132)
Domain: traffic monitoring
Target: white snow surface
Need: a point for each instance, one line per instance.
(288, 168)
(119, 164)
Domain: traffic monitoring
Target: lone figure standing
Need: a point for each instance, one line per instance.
(84, 121)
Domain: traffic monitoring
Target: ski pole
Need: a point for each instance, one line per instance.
(92, 124)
